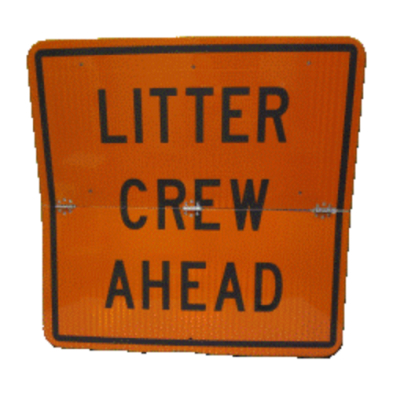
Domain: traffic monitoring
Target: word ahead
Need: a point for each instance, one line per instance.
(228, 289)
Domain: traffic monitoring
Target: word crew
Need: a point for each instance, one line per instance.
(243, 201)
(228, 290)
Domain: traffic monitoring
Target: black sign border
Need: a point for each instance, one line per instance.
(177, 49)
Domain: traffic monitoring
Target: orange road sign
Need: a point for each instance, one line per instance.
(196, 192)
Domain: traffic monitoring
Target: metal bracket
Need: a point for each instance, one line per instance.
(65, 206)
(324, 211)
(189, 209)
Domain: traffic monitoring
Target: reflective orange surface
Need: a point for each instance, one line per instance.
(82, 178)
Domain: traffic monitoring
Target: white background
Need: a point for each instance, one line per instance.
(29, 363)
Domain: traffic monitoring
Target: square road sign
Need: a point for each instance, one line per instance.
(196, 192)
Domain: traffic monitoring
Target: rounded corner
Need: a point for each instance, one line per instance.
(357, 45)
(334, 348)
(52, 338)
(36, 50)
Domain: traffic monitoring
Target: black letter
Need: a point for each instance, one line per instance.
(138, 115)
(163, 94)
(198, 224)
(124, 204)
(242, 206)
(185, 285)
(259, 267)
(119, 273)
(275, 114)
(199, 93)
(105, 138)
(174, 203)
(164, 284)
(227, 113)
(230, 275)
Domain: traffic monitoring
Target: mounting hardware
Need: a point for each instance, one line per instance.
(65, 206)
(324, 211)
(189, 209)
